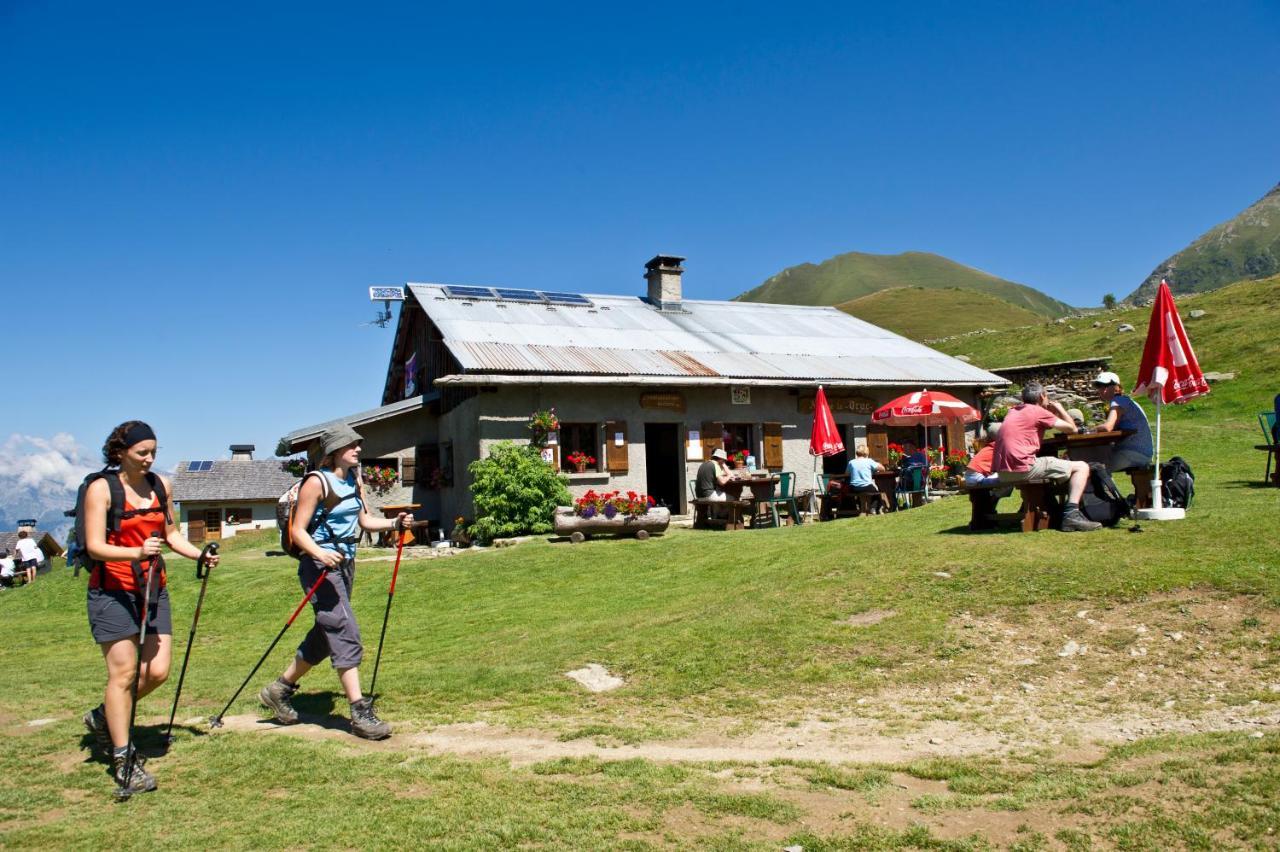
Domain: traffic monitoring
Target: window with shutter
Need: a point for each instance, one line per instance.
(956, 438)
(615, 446)
(712, 440)
(773, 446)
(408, 470)
(878, 444)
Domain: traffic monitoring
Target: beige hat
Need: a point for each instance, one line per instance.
(332, 439)
(719, 453)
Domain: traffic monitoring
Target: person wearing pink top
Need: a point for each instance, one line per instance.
(1015, 460)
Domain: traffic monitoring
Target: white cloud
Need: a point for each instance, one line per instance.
(38, 462)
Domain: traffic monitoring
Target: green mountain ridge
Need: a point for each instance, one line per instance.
(1246, 247)
(847, 277)
(922, 314)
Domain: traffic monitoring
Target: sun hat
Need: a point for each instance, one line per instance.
(719, 453)
(1107, 378)
(334, 438)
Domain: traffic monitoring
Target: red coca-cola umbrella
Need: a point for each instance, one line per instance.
(925, 408)
(825, 438)
(1169, 373)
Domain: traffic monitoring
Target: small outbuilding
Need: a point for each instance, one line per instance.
(217, 498)
(48, 545)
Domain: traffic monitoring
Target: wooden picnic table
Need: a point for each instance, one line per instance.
(1081, 440)
(387, 538)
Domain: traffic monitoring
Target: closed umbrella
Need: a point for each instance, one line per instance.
(824, 440)
(1169, 373)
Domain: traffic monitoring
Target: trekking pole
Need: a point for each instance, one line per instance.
(202, 574)
(216, 720)
(122, 791)
(391, 593)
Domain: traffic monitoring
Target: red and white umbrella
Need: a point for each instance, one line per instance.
(825, 438)
(1169, 373)
(925, 408)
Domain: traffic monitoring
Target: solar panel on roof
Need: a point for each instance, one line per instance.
(469, 292)
(199, 466)
(518, 295)
(566, 298)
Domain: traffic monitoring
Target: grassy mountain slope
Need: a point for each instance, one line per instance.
(850, 276)
(1246, 247)
(929, 314)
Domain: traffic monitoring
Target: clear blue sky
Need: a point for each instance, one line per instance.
(193, 198)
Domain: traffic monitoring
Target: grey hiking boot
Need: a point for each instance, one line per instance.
(139, 780)
(365, 723)
(1076, 522)
(96, 722)
(275, 697)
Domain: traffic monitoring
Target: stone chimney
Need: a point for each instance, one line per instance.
(242, 452)
(663, 274)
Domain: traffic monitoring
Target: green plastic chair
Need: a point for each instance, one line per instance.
(1267, 420)
(785, 496)
(915, 483)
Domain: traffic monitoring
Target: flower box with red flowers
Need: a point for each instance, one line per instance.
(611, 512)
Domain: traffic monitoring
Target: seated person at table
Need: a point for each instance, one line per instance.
(912, 456)
(6, 569)
(1275, 426)
(713, 475)
(862, 470)
(1136, 450)
(1015, 460)
(978, 473)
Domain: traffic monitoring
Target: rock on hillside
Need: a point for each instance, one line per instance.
(1245, 248)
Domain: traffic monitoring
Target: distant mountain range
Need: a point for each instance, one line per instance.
(1244, 248)
(847, 277)
(46, 503)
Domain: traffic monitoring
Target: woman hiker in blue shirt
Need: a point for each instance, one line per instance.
(1136, 450)
(328, 544)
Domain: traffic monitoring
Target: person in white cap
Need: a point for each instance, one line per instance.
(713, 474)
(1133, 451)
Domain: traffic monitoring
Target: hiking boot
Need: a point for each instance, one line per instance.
(365, 723)
(1076, 522)
(96, 721)
(275, 697)
(139, 779)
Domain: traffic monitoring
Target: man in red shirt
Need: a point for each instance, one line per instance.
(1015, 460)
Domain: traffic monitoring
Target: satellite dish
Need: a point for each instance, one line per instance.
(386, 295)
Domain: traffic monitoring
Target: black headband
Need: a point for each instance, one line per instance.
(138, 432)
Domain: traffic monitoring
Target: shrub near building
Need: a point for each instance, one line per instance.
(515, 493)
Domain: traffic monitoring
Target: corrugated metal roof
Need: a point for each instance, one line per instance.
(625, 335)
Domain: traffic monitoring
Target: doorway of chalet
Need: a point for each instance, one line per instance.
(664, 469)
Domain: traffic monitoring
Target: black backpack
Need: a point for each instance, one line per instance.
(77, 553)
(1178, 483)
(1102, 500)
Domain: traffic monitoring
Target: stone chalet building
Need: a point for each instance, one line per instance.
(216, 499)
(647, 385)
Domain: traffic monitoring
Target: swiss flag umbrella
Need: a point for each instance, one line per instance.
(1169, 373)
(925, 408)
(825, 439)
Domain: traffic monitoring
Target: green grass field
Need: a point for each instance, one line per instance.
(880, 683)
(922, 314)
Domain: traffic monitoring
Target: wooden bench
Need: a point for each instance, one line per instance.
(1039, 505)
(731, 518)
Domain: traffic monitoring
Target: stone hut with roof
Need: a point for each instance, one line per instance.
(647, 386)
(216, 499)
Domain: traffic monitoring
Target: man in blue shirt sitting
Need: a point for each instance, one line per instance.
(1136, 449)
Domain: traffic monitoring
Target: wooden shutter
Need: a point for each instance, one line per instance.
(408, 470)
(712, 440)
(773, 446)
(878, 444)
(956, 437)
(615, 456)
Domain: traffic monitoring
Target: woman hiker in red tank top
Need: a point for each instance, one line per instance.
(115, 590)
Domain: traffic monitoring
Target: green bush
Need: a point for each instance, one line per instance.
(515, 492)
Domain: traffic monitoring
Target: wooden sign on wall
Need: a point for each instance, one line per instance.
(847, 403)
(663, 400)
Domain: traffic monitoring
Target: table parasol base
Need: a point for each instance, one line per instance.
(1161, 514)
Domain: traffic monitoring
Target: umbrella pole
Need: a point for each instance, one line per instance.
(1158, 512)
(813, 496)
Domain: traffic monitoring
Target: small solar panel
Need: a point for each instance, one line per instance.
(199, 466)
(518, 295)
(469, 292)
(566, 299)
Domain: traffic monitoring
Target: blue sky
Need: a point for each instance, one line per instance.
(194, 200)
